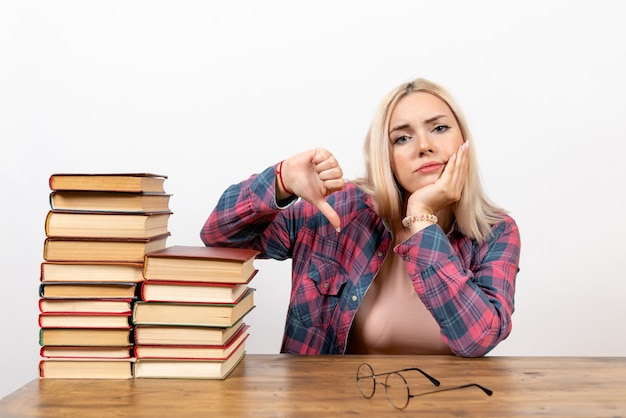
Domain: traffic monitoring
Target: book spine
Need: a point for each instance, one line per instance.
(47, 223)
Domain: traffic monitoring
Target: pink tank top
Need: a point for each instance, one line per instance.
(392, 319)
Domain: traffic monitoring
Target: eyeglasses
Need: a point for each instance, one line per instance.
(396, 386)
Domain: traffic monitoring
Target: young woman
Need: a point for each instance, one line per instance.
(413, 258)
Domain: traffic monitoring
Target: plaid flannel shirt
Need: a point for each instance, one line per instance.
(468, 287)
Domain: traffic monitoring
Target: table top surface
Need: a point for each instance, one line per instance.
(325, 386)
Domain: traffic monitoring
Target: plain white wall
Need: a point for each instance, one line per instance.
(211, 92)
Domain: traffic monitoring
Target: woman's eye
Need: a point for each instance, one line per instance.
(401, 139)
(441, 128)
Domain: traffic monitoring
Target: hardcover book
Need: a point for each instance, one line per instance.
(109, 201)
(185, 335)
(91, 271)
(85, 305)
(191, 352)
(106, 224)
(104, 352)
(93, 249)
(200, 314)
(85, 336)
(113, 182)
(93, 290)
(199, 292)
(188, 369)
(201, 264)
(84, 320)
(82, 368)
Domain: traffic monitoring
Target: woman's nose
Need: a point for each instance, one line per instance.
(424, 144)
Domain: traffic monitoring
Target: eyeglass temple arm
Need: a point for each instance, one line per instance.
(426, 375)
(488, 392)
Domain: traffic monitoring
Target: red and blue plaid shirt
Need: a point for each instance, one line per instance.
(468, 287)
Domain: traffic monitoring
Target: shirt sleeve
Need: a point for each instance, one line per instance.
(474, 305)
(248, 216)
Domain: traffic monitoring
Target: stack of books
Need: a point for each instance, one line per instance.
(98, 231)
(189, 320)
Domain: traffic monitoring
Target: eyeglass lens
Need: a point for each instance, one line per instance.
(397, 390)
(365, 380)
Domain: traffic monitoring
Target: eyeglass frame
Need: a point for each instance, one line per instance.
(410, 395)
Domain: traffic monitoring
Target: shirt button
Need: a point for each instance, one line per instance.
(325, 285)
(380, 254)
(354, 298)
(407, 258)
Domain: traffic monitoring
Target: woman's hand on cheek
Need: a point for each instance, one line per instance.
(446, 189)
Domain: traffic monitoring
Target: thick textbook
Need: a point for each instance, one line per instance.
(91, 271)
(85, 336)
(199, 292)
(102, 352)
(201, 264)
(188, 369)
(61, 223)
(84, 368)
(84, 320)
(200, 314)
(105, 249)
(185, 335)
(93, 290)
(113, 182)
(110, 201)
(192, 352)
(85, 305)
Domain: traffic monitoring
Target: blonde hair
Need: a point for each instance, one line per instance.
(474, 213)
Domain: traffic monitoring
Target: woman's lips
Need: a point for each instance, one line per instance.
(429, 167)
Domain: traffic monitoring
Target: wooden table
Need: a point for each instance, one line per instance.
(325, 386)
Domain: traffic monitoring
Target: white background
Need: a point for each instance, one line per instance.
(211, 92)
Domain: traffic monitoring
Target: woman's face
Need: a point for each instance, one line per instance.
(423, 134)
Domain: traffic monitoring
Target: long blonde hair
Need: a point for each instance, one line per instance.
(474, 213)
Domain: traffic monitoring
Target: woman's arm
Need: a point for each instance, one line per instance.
(247, 215)
(473, 306)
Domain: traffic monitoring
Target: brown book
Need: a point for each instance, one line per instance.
(85, 336)
(199, 292)
(96, 271)
(110, 249)
(200, 314)
(85, 305)
(185, 335)
(188, 369)
(200, 264)
(191, 352)
(106, 224)
(82, 368)
(108, 352)
(110, 201)
(112, 182)
(94, 290)
(84, 320)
